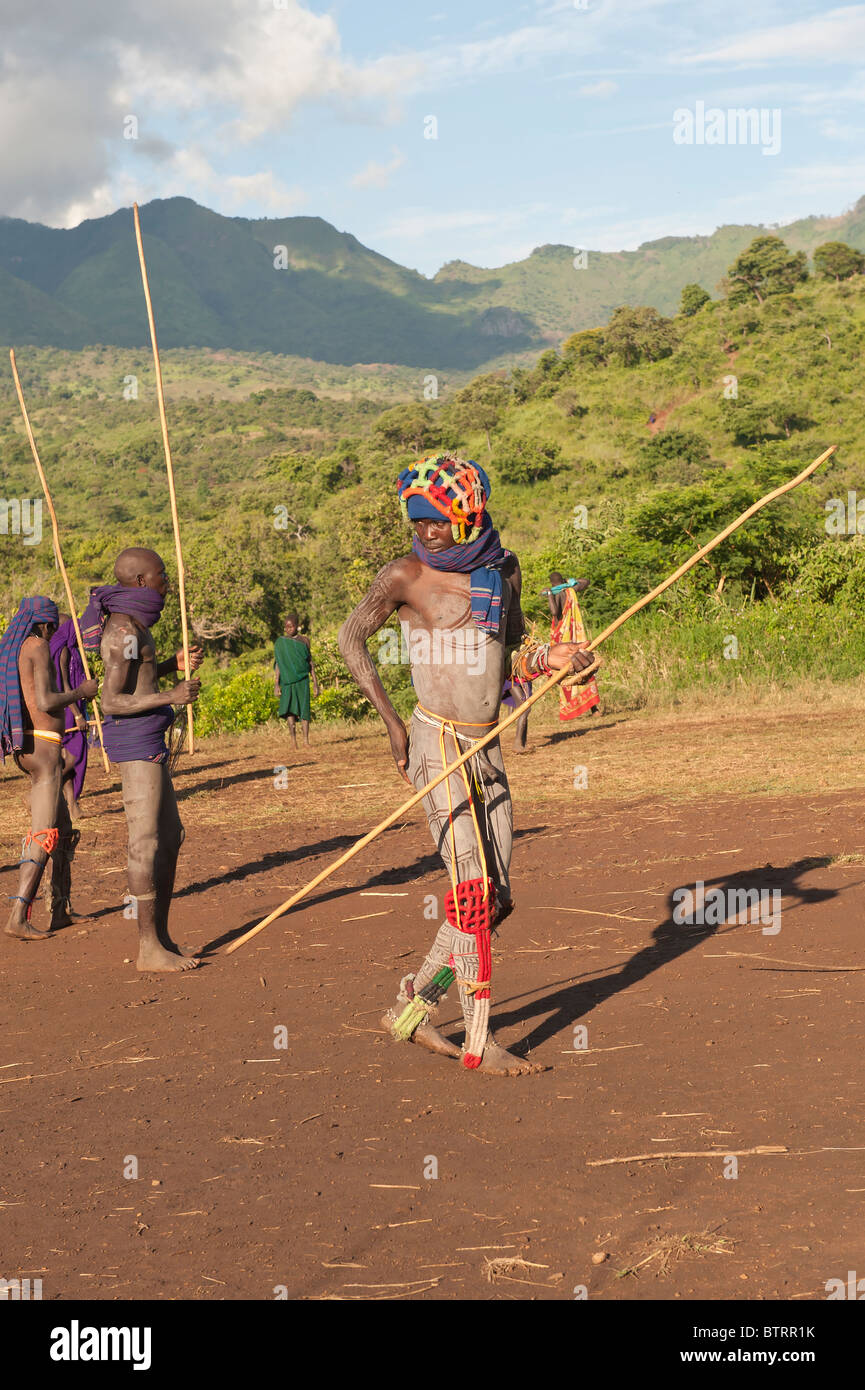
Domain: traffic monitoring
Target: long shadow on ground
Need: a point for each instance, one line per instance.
(670, 940)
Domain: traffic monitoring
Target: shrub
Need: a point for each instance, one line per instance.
(229, 707)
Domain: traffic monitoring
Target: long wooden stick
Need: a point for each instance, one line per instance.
(67, 586)
(536, 695)
(690, 1153)
(181, 574)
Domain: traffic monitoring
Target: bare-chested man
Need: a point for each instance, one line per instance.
(31, 724)
(137, 715)
(458, 601)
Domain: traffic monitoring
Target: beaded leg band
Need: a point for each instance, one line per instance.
(470, 910)
(420, 1005)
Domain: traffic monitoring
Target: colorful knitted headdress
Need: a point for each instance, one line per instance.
(444, 488)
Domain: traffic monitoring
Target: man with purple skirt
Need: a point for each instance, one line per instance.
(137, 717)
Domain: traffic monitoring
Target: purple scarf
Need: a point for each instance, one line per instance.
(137, 601)
(482, 559)
(65, 637)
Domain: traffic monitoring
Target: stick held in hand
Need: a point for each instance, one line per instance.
(181, 574)
(536, 695)
(70, 598)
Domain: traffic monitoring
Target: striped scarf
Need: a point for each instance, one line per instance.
(483, 560)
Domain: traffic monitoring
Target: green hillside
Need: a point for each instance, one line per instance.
(613, 457)
(215, 285)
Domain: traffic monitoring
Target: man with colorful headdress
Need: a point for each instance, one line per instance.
(31, 729)
(457, 597)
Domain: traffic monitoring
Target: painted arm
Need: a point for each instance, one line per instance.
(385, 596)
(119, 695)
(555, 655)
(555, 602)
(49, 700)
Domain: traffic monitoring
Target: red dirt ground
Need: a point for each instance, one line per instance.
(304, 1167)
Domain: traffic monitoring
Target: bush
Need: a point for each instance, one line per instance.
(525, 460)
(230, 707)
(346, 702)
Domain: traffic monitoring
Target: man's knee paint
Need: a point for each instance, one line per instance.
(143, 849)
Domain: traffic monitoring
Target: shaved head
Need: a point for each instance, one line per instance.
(137, 567)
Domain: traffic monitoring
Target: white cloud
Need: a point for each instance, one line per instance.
(599, 89)
(418, 224)
(375, 175)
(838, 130)
(221, 74)
(846, 180)
(831, 37)
(190, 173)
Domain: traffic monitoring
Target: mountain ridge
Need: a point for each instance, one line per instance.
(298, 285)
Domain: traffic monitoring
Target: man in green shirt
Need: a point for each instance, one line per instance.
(294, 667)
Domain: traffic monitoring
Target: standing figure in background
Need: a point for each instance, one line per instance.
(69, 673)
(31, 729)
(294, 668)
(567, 626)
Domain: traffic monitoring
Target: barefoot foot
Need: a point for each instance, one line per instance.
(425, 1035)
(24, 930)
(497, 1062)
(155, 957)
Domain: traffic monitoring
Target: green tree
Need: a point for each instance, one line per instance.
(640, 334)
(371, 532)
(585, 349)
(678, 447)
(767, 266)
(524, 460)
(239, 585)
(478, 406)
(693, 299)
(407, 427)
(838, 261)
(341, 468)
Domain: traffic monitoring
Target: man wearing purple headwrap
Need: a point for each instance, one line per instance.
(457, 597)
(31, 729)
(137, 715)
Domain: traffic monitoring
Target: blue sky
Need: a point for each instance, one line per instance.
(555, 122)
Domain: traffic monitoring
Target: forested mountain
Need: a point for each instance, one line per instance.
(298, 286)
